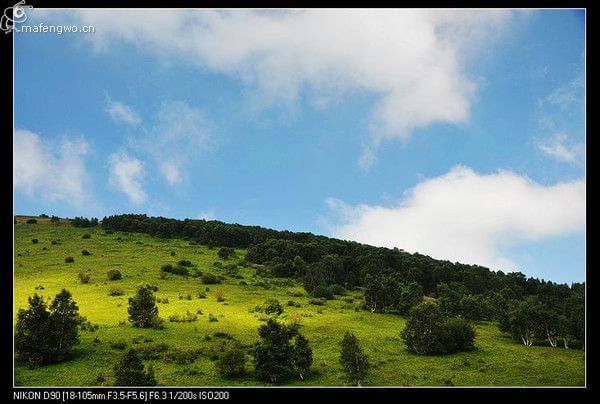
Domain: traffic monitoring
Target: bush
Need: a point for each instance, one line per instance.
(116, 291)
(270, 306)
(188, 317)
(201, 295)
(119, 345)
(457, 335)
(31, 221)
(232, 362)
(85, 252)
(185, 263)
(225, 252)
(86, 236)
(114, 274)
(210, 279)
(180, 270)
(83, 277)
(55, 219)
(323, 291)
(130, 371)
(69, 260)
(34, 240)
(337, 289)
(317, 302)
(220, 295)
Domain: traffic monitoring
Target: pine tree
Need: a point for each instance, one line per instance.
(142, 310)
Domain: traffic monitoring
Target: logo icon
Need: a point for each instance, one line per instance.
(7, 23)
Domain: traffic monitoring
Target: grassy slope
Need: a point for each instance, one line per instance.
(497, 361)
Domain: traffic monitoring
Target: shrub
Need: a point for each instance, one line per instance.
(225, 252)
(34, 240)
(337, 289)
(201, 295)
(180, 270)
(210, 279)
(185, 263)
(270, 306)
(116, 291)
(114, 274)
(85, 252)
(31, 221)
(55, 242)
(83, 277)
(292, 303)
(220, 295)
(317, 302)
(69, 260)
(232, 362)
(212, 318)
(188, 317)
(55, 219)
(119, 345)
(86, 236)
(323, 292)
(130, 371)
(457, 335)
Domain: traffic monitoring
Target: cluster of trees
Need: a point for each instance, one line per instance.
(429, 332)
(46, 334)
(392, 278)
(84, 222)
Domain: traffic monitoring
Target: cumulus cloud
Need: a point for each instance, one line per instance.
(468, 217)
(560, 148)
(125, 175)
(413, 61)
(55, 174)
(179, 135)
(120, 112)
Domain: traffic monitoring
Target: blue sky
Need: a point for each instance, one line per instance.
(455, 134)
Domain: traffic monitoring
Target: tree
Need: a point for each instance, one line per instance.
(233, 361)
(353, 360)
(45, 336)
(428, 332)
(142, 310)
(421, 331)
(129, 371)
(65, 320)
(274, 354)
(271, 306)
(302, 355)
(523, 321)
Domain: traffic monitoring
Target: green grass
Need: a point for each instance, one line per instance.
(497, 360)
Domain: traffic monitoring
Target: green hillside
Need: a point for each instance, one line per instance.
(184, 353)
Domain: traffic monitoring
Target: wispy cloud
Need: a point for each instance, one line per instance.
(55, 173)
(413, 61)
(120, 112)
(179, 136)
(560, 148)
(468, 217)
(125, 175)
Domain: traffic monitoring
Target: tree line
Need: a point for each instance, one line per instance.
(393, 280)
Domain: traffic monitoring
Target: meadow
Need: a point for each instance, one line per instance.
(184, 353)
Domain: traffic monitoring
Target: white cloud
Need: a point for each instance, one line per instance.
(413, 61)
(468, 217)
(125, 174)
(559, 148)
(54, 175)
(179, 136)
(120, 112)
